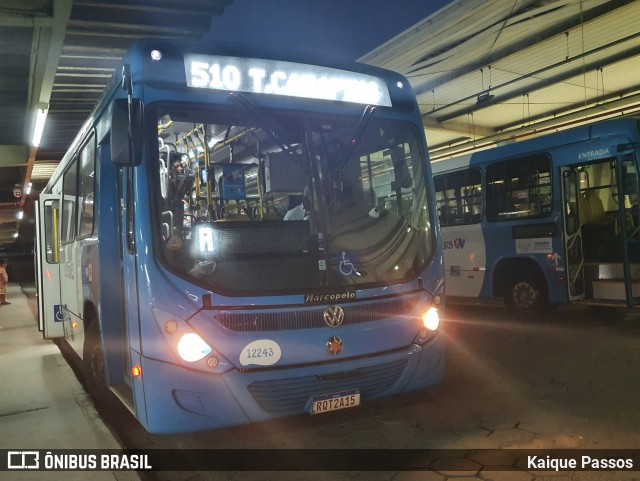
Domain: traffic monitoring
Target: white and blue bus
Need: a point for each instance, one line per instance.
(550, 220)
(232, 239)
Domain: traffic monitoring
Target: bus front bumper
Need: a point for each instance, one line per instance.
(183, 400)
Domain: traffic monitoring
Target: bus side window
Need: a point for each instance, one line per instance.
(86, 188)
(519, 188)
(164, 174)
(459, 197)
(69, 199)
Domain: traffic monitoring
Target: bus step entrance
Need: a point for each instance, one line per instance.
(605, 281)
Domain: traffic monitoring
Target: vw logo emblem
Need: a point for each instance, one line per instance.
(333, 316)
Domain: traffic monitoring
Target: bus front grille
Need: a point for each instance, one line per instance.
(311, 318)
(292, 395)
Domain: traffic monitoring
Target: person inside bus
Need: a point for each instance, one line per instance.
(443, 214)
(180, 184)
(4, 280)
(298, 208)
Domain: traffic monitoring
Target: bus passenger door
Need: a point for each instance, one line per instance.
(574, 257)
(50, 315)
(629, 222)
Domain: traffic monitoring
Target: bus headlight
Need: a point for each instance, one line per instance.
(192, 347)
(430, 319)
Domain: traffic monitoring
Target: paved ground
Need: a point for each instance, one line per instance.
(42, 404)
(566, 379)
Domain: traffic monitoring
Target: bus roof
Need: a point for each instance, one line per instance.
(583, 133)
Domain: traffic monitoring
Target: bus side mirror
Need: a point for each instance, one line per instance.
(126, 132)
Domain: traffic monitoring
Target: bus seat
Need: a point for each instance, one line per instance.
(599, 240)
(585, 213)
(233, 211)
(591, 208)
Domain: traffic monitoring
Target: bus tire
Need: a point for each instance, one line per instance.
(525, 294)
(93, 363)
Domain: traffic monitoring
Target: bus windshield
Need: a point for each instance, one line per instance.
(253, 201)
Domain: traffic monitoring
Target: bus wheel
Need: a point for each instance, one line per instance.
(93, 363)
(524, 294)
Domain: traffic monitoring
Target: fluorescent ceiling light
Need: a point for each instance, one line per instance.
(39, 128)
(43, 171)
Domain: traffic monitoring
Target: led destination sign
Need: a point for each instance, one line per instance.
(273, 77)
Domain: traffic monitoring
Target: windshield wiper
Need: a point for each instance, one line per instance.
(367, 113)
(242, 100)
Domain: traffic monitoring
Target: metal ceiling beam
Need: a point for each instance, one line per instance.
(25, 22)
(555, 79)
(18, 13)
(614, 102)
(13, 155)
(458, 127)
(47, 47)
(160, 6)
(578, 114)
(516, 47)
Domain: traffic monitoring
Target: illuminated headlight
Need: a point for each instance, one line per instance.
(430, 319)
(192, 347)
(430, 322)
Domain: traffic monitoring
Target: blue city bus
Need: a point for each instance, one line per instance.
(234, 238)
(545, 221)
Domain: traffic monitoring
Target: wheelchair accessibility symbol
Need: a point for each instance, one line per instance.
(58, 315)
(346, 267)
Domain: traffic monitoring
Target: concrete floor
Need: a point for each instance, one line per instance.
(565, 379)
(42, 404)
